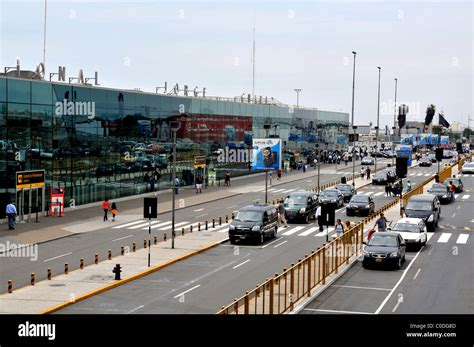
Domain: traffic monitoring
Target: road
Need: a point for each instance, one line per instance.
(434, 280)
(205, 282)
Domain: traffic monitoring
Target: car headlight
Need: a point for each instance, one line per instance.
(430, 219)
(256, 228)
(367, 206)
(231, 227)
(394, 255)
(445, 196)
(333, 200)
(302, 210)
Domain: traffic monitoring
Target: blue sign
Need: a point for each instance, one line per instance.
(266, 154)
(405, 152)
(444, 140)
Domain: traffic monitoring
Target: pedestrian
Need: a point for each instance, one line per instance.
(279, 175)
(105, 207)
(391, 189)
(381, 223)
(318, 217)
(11, 213)
(346, 158)
(387, 189)
(227, 179)
(348, 224)
(452, 190)
(176, 185)
(408, 185)
(367, 171)
(281, 214)
(114, 211)
(152, 183)
(339, 228)
(362, 172)
(304, 166)
(199, 181)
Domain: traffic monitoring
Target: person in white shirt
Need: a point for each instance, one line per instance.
(318, 215)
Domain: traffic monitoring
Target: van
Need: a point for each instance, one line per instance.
(426, 207)
(254, 222)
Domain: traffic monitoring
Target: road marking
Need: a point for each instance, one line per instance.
(280, 244)
(228, 208)
(128, 224)
(335, 311)
(159, 225)
(202, 215)
(271, 189)
(462, 239)
(456, 196)
(176, 225)
(187, 291)
(121, 238)
(426, 175)
(459, 207)
(309, 231)
(454, 214)
(325, 232)
(268, 244)
(337, 211)
(135, 309)
(444, 237)
(416, 275)
(292, 231)
(142, 225)
(396, 306)
(236, 266)
(355, 287)
(420, 174)
(378, 194)
(465, 197)
(278, 190)
(369, 193)
(198, 210)
(59, 256)
(289, 190)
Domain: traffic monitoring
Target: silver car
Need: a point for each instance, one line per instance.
(468, 168)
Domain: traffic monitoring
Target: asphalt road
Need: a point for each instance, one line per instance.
(205, 282)
(438, 279)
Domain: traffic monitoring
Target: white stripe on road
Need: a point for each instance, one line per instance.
(280, 244)
(202, 215)
(462, 239)
(420, 174)
(271, 243)
(444, 237)
(187, 291)
(309, 231)
(416, 275)
(465, 197)
(356, 287)
(368, 193)
(198, 210)
(142, 225)
(228, 208)
(160, 225)
(456, 196)
(289, 190)
(121, 238)
(378, 194)
(176, 225)
(271, 189)
(236, 266)
(278, 190)
(292, 231)
(128, 224)
(335, 311)
(426, 175)
(59, 256)
(325, 232)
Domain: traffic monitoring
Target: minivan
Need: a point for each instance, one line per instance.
(254, 222)
(426, 207)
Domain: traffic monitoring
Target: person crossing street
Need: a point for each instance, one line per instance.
(281, 214)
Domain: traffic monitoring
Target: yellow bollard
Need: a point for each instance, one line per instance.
(66, 268)
(49, 273)
(122, 250)
(155, 240)
(32, 280)
(10, 286)
(182, 231)
(134, 247)
(81, 263)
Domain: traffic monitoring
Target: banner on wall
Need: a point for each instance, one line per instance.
(407, 139)
(425, 139)
(434, 139)
(266, 154)
(444, 140)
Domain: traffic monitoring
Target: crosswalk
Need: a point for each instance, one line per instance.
(446, 237)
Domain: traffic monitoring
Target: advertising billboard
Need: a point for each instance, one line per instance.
(407, 139)
(425, 139)
(444, 140)
(266, 154)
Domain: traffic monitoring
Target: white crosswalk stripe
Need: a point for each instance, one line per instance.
(420, 174)
(325, 232)
(127, 224)
(378, 194)
(426, 175)
(368, 193)
(465, 197)
(278, 190)
(309, 231)
(160, 225)
(456, 196)
(412, 174)
(462, 238)
(289, 190)
(142, 225)
(293, 230)
(444, 238)
(271, 189)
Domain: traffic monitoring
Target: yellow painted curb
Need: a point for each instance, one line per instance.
(126, 280)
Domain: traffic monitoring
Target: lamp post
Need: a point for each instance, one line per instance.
(174, 125)
(394, 123)
(267, 127)
(354, 128)
(378, 120)
(352, 115)
(297, 90)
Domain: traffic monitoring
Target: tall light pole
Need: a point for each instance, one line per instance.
(174, 125)
(378, 121)
(297, 90)
(44, 34)
(352, 117)
(394, 123)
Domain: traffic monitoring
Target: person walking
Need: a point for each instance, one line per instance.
(176, 185)
(114, 210)
(279, 175)
(367, 171)
(408, 185)
(387, 189)
(199, 181)
(281, 214)
(227, 179)
(318, 217)
(339, 228)
(362, 173)
(381, 223)
(452, 190)
(105, 207)
(152, 183)
(11, 213)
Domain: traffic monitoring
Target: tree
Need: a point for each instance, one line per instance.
(467, 133)
(430, 112)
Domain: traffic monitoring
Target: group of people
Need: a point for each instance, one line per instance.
(365, 172)
(396, 188)
(107, 207)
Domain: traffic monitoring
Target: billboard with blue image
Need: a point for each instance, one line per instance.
(444, 140)
(266, 154)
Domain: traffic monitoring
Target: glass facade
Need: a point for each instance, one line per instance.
(97, 142)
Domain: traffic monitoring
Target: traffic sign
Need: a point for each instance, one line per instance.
(150, 208)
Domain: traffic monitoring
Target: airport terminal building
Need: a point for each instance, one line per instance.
(99, 142)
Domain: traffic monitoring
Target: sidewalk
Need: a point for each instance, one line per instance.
(84, 218)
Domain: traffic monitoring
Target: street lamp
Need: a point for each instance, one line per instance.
(297, 90)
(352, 115)
(174, 125)
(378, 121)
(267, 127)
(354, 128)
(394, 122)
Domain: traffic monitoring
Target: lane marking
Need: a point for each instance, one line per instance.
(236, 266)
(176, 225)
(121, 238)
(309, 231)
(444, 237)
(142, 225)
(396, 306)
(198, 210)
(456, 196)
(202, 215)
(278, 190)
(280, 244)
(465, 197)
(454, 214)
(228, 208)
(160, 225)
(292, 231)
(325, 232)
(128, 224)
(135, 309)
(378, 194)
(59, 256)
(356, 287)
(335, 311)
(416, 275)
(462, 239)
(459, 207)
(187, 291)
(268, 244)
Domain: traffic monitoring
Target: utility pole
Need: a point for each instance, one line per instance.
(352, 118)
(394, 123)
(297, 90)
(378, 122)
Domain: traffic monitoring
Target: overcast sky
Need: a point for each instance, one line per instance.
(427, 45)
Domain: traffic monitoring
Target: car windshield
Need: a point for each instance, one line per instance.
(367, 158)
(407, 227)
(454, 180)
(360, 199)
(296, 200)
(329, 194)
(248, 216)
(344, 187)
(381, 175)
(383, 241)
(419, 206)
(469, 165)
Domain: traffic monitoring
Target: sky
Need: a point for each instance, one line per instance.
(426, 45)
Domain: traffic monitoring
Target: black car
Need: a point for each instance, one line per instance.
(426, 207)
(425, 162)
(385, 248)
(347, 191)
(332, 196)
(254, 222)
(432, 157)
(367, 161)
(104, 170)
(458, 185)
(301, 205)
(442, 192)
(391, 174)
(360, 205)
(380, 178)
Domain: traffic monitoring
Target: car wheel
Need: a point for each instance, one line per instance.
(365, 266)
(398, 266)
(262, 238)
(232, 240)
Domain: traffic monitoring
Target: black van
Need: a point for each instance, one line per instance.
(426, 207)
(301, 205)
(254, 222)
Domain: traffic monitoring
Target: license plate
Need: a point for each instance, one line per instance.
(356, 211)
(378, 260)
(242, 237)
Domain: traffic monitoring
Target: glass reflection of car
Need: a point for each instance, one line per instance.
(413, 231)
(301, 205)
(468, 168)
(380, 178)
(441, 191)
(367, 161)
(331, 196)
(458, 185)
(424, 162)
(384, 248)
(426, 207)
(347, 191)
(104, 170)
(360, 205)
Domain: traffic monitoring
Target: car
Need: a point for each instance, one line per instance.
(254, 222)
(347, 191)
(447, 154)
(441, 191)
(331, 196)
(426, 207)
(360, 205)
(458, 185)
(384, 248)
(413, 231)
(391, 174)
(468, 168)
(432, 157)
(425, 162)
(389, 153)
(301, 205)
(378, 154)
(121, 168)
(367, 161)
(380, 177)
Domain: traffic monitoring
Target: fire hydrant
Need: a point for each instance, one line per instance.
(117, 270)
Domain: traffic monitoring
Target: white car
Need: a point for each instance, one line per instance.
(413, 231)
(468, 168)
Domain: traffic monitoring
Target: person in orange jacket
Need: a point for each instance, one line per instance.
(105, 207)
